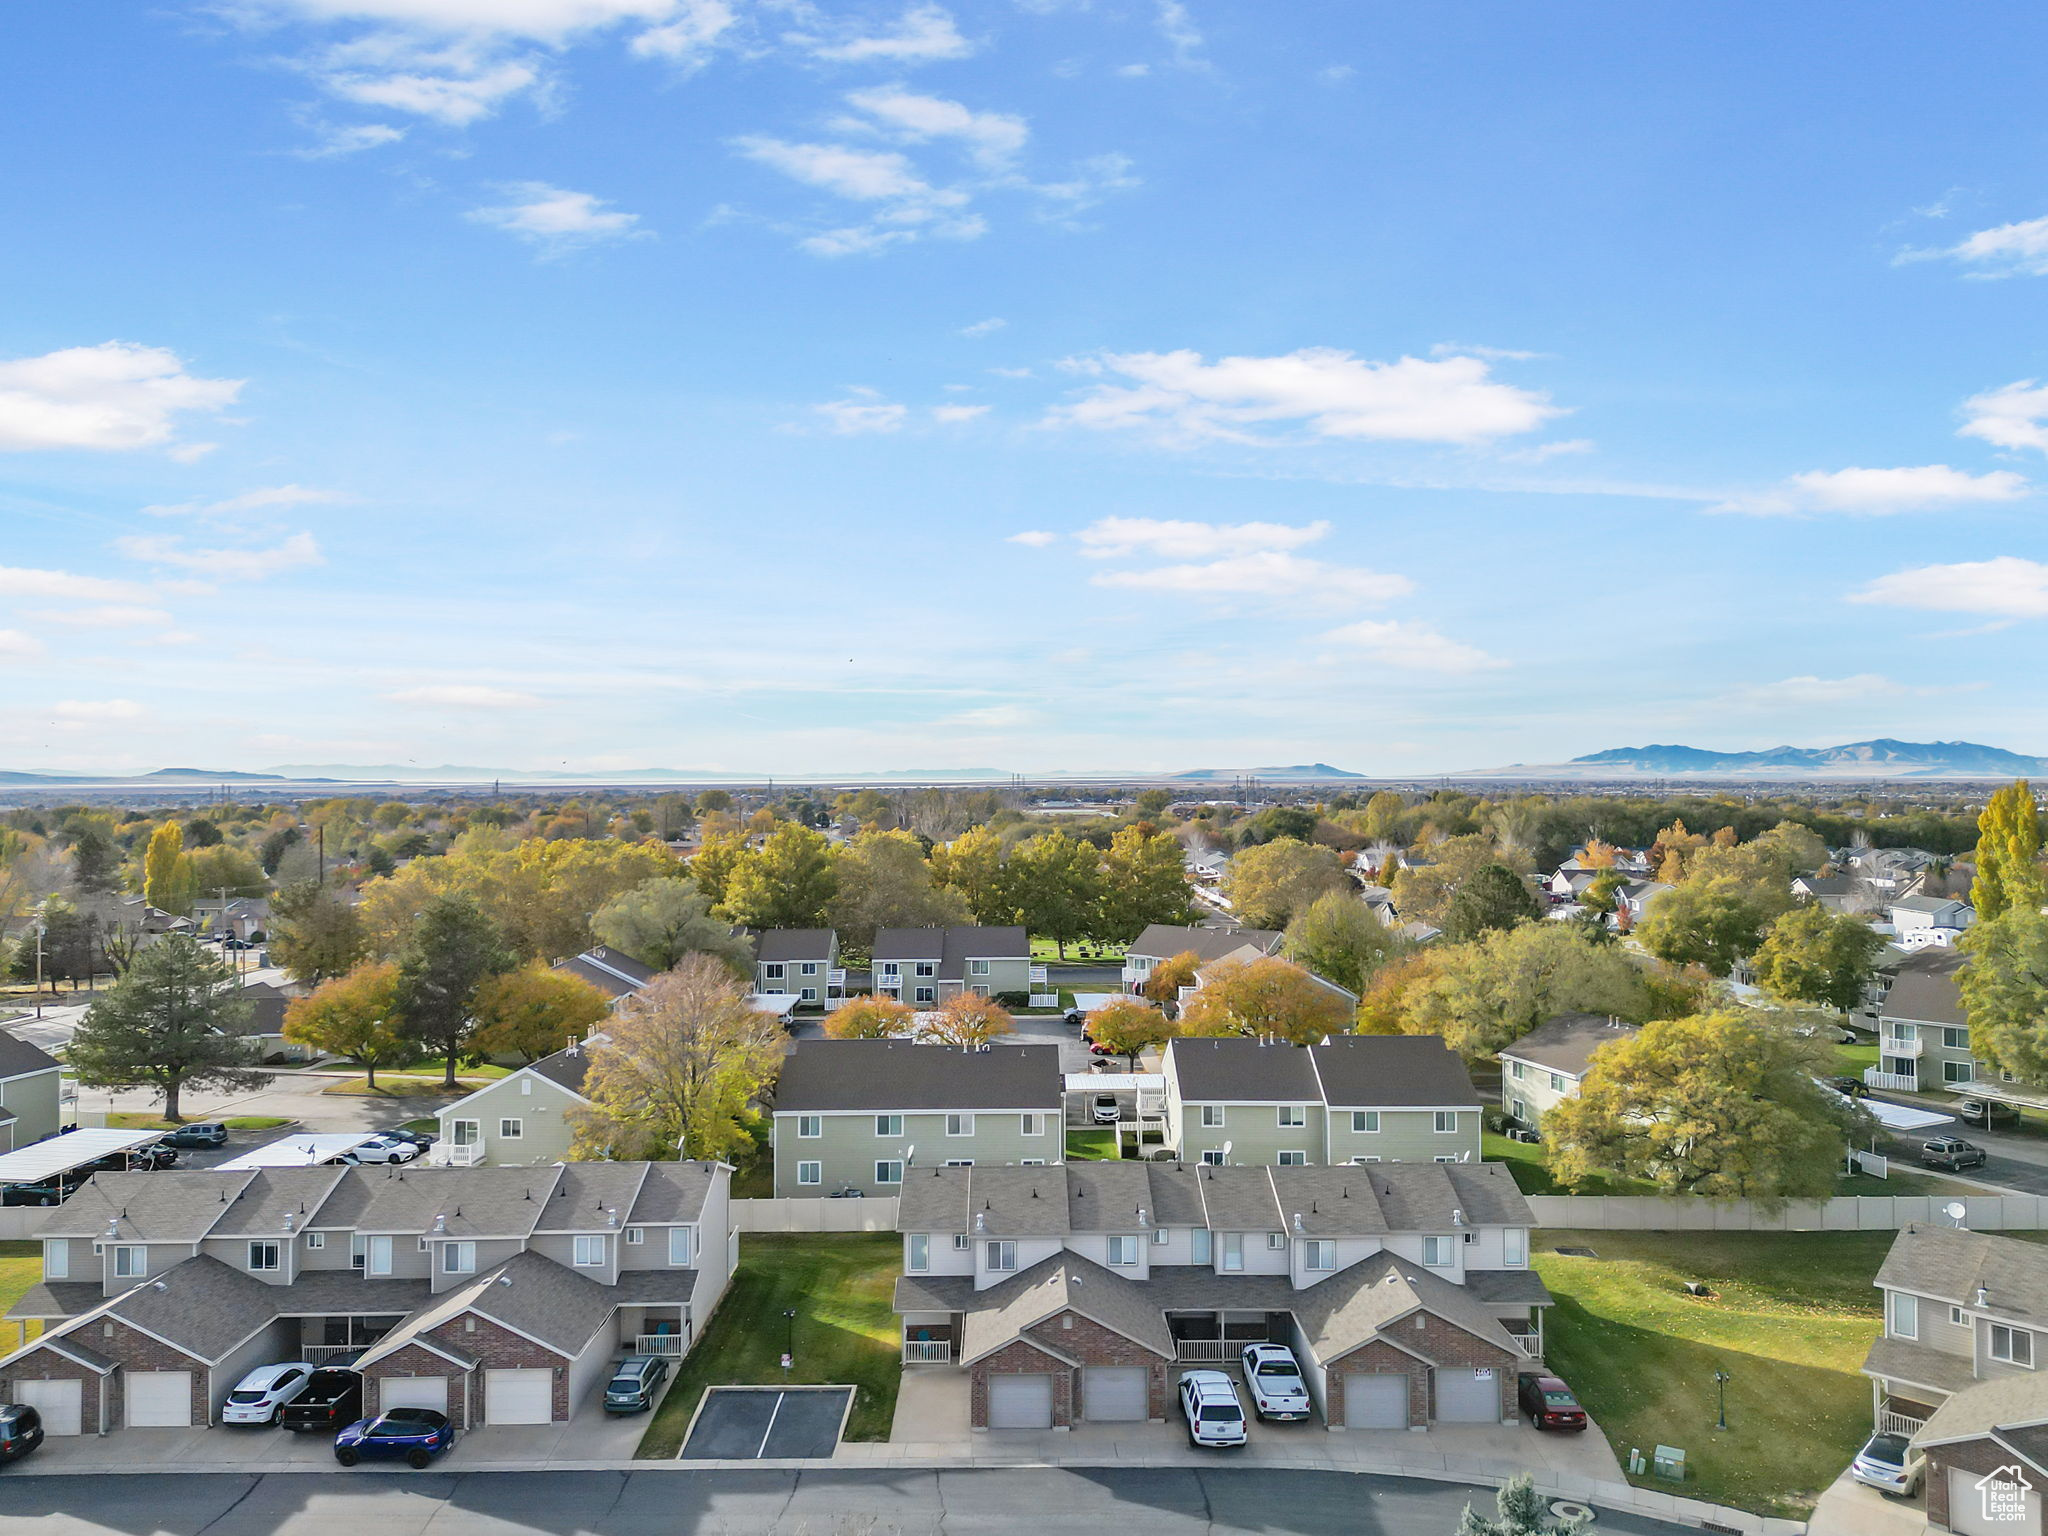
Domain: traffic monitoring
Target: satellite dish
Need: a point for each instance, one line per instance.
(1955, 1211)
(1227, 1146)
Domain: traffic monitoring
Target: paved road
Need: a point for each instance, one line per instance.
(1139, 1501)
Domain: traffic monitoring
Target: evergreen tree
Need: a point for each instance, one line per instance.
(175, 1020)
(452, 950)
(1495, 897)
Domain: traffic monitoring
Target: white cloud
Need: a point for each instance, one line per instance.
(863, 410)
(113, 397)
(953, 414)
(541, 20)
(1809, 690)
(993, 717)
(2010, 250)
(1330, 393)
(1180, 32)
(97, 709)
(2013, 416)
(2004, 587)
(688, 39)
(993, 138)
(464, 696)
(1265, 573)
(451, 86)
(223, 564)
(259, 499)
(1033, 538)
(555, 218)
(1412, 647)
(16, 646)
(21, 581)
(336, 141)
(924, 33)
(1880, 492)
(982, 328)
(1109, 537)
(107, 616)
(907, 206)
(1093, 180)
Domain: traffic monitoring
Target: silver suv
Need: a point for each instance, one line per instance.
(1208, 1401)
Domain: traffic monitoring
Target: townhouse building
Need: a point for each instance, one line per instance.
(495, 1295)
(32, 1101)
(1548, 1065)
(1923, 1035)
(1075, 1294)
(802, 963)
(1161, 942)
(1350, 1099)
(521, 1118)
(925, 966)
(853, 1116)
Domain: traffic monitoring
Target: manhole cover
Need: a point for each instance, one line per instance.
(1578, 1253)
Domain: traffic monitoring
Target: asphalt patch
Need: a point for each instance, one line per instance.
(767, 1423)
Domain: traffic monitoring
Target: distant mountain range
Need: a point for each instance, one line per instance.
(1883, 758)
(1298, 773)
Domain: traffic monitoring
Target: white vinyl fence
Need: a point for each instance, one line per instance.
(817, 1215)
(20, 1221)
(1845, 1213)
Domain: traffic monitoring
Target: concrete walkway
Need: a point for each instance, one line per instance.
(1848, 1508)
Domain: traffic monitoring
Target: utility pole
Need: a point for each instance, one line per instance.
(321, 832)
(39, 961)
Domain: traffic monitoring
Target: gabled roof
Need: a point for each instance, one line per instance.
(1066, 1282)
(18, 1058)
(1949, 1264)
(169, 1207)
(1163, 941)
(1930, 905)
(611, 971)
(892, 1076)
(201, 1306)
(952, 948)
(673, 1193)
(785, 944)
(1392, 1071)
(1339, 1319)
(2002, 1403)
(1235, 1069)
(545, 1301)
(275, 1196)
(1925, 988)
(451, 1202)
(1566, 1043)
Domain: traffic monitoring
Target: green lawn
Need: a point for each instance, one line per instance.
(845, 1333)
(1525, 1162)
(1091, 1146)
(1850, 1060)
(1078, 954)
(1791, 1318)
(132, 1120)
(21, 1266)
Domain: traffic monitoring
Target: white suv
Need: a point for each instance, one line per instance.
(259, 1395)
(1209, 1403)
(1274, 1381)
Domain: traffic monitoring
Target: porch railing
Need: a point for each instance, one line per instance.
(670, 1346)
(1209, 1351)
(1892, 1422)
(1891, 1082)
(927, 1351)
(452, 1156)
(319, 1354)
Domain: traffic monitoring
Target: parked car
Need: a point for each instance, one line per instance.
(1951, 1153)
(201, 1133)
(259, 1396)
(420, 1139)
(1273, 1377)
(1208, 1401)
(412, 1435)
(635, 1384)
(1104, 1110)
(161, 1154)
(333, 1396)
(42, 1191)
(1889, 1464)
(1076, 1018)
(21, 1430)
(1548, 1401)
(385, 1147)
(1847, 1087)
(1986, 1113)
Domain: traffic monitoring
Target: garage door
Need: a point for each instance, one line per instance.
(415, 1392)
(1020, 1402)
(1467, 1395)
(1115, 1393)
(1968, 1515)
(1375, 1402)
(57, 1401)
(519, 1397)
(159, 1399)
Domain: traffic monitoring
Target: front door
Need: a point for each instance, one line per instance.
(463, 1133)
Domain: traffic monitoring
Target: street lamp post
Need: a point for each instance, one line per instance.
(789, 1337)
(1721, 1380)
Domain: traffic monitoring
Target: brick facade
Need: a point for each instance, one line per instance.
(132, 1350)
(1439, 1343)
(492, 1344)
(1373, 1359)
(1021, 1357)
(412, 1360)
(1088, 1342)
(1975, 1457)
(48, 1365)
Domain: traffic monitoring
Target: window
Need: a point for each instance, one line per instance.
(635, 1236)
(1160, 1237)
(1519, 1108)
(918, 1252)
(464, 1133)
(1367, 1159)
(679, 1245)
(1031, 1125)
(458, 1258)
(589, 1252)
(1446, 1122)
(1957, 1071)
(926, 995)
(1517, 1069)
(1275, 1241)
(1557, 1082)
(977, 967)
(1212, 1115)
(316, 1239)
(891, 968)
(511, 1130)
(263, 1256)
(1365, 1121)
(1030, 1162)
(1213, 1157)
(1321, 1254)
(1293, 1159)
(927, 968)
(810, 994)
(962, 1242)
(1123, 1250)
(810, 1173)
(811, 1127)
(959, 1162)
(1905, 1315)
(1446, 1158)
(979, 989)
(1002, 1256)
(1955, 1316)
(773, 971)
(2015, 1346)
(1440, 1252)
(810, 968)
(959, 1125)
(130, 1263)
(1514, 1244)
(377, 1255)
(1200, 1246)
(1293, 1115)
(888, 1125)
(526, 1086)
(423, 1245)
(57, 1260)
(1955, 1039)
(889, 1171)
(1233, 1250)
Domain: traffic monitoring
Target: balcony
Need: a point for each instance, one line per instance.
(1208, 1351)
(445, 1154)
(1891, 1082)
(1900, 1418)
(927, 1351)
(320, 1354)
(1909, 1047)
(670, 1346)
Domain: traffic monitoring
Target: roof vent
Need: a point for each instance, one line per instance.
(1144, 1216)
(113, 1226)
(1299, 1225)
(611, 1216)
(1983, 1296)
(159, 1286)
(1457, 1218)
(288, 1219)
(980, 1221)
(440, 1222)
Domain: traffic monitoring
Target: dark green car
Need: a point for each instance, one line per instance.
(635, 1384)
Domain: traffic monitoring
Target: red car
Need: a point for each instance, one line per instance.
(1549, 1402)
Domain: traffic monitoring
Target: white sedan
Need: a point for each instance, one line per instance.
(259, 1395)
(386, 1149)
(1273, 1378)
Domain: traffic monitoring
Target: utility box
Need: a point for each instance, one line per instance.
(1669, 1463)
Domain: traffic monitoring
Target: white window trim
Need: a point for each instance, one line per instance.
(1902, 1314)
(810, 1127)
(1212, 1117)
(1365, 1122)
(963, 1242)
(1447, 1122)
(965, 1122)
(275, 1252)
(884, 1166)
(57, 1260)
(1291, 1158)
(1119, 1244)
(316, 1239)
(679, 1247)
(1000, 1256)
(140, 1269)
(809, 1172)
(590, 1243)
(917, 1252)
(2012, 1334)
(635, 1236)
(1031, 1125)
(883, 1124)
(1323, 1247)
(451, 1252)
(1291, 1117)
(511, 1128)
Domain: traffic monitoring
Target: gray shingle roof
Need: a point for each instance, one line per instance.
(2020, 1399)
(1109, 1197)
(1950, 1264)
(473, 1202)
(57, 1298)
(786, 944)
(1567, 1043)
(674, 1193)
(274, 1194)
(1064, 1282)
(611, 971)
(319, 1292)
(1237, 1070)
(18, 1058)
(592, 1197)
(1164, 941)
(527, 1293)
(952, 947)
(170, 1207)
(1925, 988)
(201, 1306)
(567, 1068)
(891, 1076)
(1337, 1319)
(1917, 1365)
(1391, 1071)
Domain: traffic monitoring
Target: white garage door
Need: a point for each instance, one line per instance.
(1968, 1516)
(1020, 1402)
(1115, 1393)
(415, 1392)
(1467, 1395)
(1376, 1402)
(57, 1401)
(159, 1399)
(519, 1397)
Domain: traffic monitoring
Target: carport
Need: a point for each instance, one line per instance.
(767, 1424)
(55, 1156)
(301, 1151)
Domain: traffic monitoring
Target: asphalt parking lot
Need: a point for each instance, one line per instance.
(767, 1423)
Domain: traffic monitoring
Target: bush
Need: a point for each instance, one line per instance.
(1013, 999)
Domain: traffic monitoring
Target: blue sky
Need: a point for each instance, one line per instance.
(768, 386)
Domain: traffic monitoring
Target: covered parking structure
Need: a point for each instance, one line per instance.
(56, 1157)
(301, 1151)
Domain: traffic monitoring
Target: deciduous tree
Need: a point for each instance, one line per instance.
(869, 1018)
(965, 1019)
(787, 882)
(354, 1017)
(1339, 938)
(1482, 996)
(659, 921)
(1812, 955)
(1144, 881)
(452, 950)
(716, 858)
(224, 867)
(1127, 1026)
(884, 882)
(972, 864)
(1492, 898)
(1269, 884)
(533, 1012)
(167, 882)
(1170, 975)
(314, 934)
(2004, 984)
(2008, 853)
(1268, 998)
(1056, 883)
(1698, 924)
(177, 1020)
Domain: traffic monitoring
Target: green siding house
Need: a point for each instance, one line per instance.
(1546, 1066)
(31, 1093)
(519, 1119)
